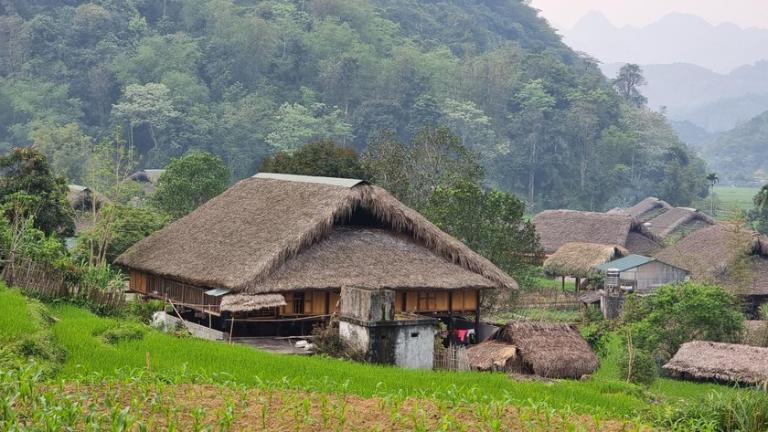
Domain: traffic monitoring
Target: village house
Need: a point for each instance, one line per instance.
(725, 254)
(580, 260)
(558, 227)
(644, 210)
(641, 274)
(278, 251)
(720, 362)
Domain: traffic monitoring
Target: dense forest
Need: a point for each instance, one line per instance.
(244, 79)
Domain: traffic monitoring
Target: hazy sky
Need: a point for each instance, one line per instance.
(563, 14)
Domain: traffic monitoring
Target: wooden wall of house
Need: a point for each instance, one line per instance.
(304, 303)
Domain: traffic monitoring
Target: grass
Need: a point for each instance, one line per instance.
(731, 198)
(541, 314)
(15, 317)
(541, 282)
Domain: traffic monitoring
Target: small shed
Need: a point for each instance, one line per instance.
(643, 274)
(545, 349)
(723, 362)
(580, 260)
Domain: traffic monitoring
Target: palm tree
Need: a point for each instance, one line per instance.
(713, 180)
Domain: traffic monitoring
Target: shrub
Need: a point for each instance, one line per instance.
(142, 310)
(639, 367)
(328, 341)
(676, 314)
(745, 411)
(121, 332)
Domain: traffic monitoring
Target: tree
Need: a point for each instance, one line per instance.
(318, 158)
(758, 216)
(26, 171)
(123, 226)
(386, 161)
(295, 124)
(64, 147)
(713, 179)
(491, 222)
(189, 182)
(675, 314)
(147, 105)
(626, 83)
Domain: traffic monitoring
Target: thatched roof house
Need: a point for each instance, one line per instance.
(147, 179)
(678, 221)
(711, 255)
(581, 259)
(82, 198)
(557, 227)
(549, 350)
(646, 209)
(305, 238)
(713, 361)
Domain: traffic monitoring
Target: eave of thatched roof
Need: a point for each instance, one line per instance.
(241, 239)
(248, 302)
(369, 258)
(710, 253)
(581, 259)
(720, 362)
(557, 227)
(678, 219)
(551, 350)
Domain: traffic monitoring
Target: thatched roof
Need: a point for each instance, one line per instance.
(720, 362)
(276, 233)
(647, 209)
(679, 220)
(580, 259)
(557, 227)
(147, 175)
(550, 350)
(710, 254)
(247, 303)
(493, 356)
(755, 333)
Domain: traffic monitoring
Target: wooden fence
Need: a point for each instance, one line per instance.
(43, 281)
(452, 358)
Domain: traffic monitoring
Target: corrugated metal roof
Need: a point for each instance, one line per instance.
(333, 181)
(217, 292)
(626, 263)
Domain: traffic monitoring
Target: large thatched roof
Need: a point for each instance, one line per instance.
(710, 254)
(250, 302)
(276, 233)
(720, 362)
(678, 220)
(557, 227)
(550, 350)
(581, 259)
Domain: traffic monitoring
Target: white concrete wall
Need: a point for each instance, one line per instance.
(356, 336)
(415, 347)
(166, 322)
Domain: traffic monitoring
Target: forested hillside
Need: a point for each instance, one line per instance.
(740, 155)
(244, 79)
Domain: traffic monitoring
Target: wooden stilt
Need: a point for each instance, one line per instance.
(231, 327)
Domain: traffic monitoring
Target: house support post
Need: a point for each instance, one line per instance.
(477, 314)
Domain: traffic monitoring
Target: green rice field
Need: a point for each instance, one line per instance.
(730, 198)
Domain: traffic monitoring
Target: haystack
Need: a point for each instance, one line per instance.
(494, 356)
(550, 350)
(581, 259)
(277, 233)
(713, 361)
(558, 227)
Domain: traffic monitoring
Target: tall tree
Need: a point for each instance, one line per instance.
(317, 158)
(190, 181)
(627, 83)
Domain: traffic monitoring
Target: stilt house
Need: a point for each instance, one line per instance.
(304, 238)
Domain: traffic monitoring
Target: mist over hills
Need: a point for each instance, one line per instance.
(675, 38)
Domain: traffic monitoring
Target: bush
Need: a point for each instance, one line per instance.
(121, 332)
(745, 411)
(328, 341)
(638, 368)
(142, 310)
(676, 314)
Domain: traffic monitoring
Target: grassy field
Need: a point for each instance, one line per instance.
(730, 198)
(15, 317)
(204, 365)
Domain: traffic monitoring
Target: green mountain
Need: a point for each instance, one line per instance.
(740, 156)
(243, 79)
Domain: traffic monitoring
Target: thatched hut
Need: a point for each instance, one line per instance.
(726, 254)
(581, 260)
(722, 362)
(146, 179)
(545, 349)
(82, 198)
(557, 227)
(678, 222)
(305, 238)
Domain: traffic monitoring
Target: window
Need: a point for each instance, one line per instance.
(298, 303)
